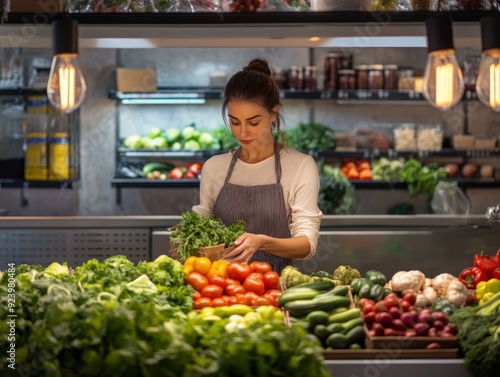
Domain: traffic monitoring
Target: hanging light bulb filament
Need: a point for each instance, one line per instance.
(494, 85)
(444, 85)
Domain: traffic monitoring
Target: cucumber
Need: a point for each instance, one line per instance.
(338, 310)
(321, 332)
(340, 290)
(345, 316)
(317, 317)
(351, 324)
(317, 285)
(337, 341)
(356, 335)
(335, 327)
(355, 346)
(160, 166)
(300, 308)
(297, 294)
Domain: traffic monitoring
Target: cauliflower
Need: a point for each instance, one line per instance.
(346, 274)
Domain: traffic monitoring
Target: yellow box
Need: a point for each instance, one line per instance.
(36, 6)
(136, 80)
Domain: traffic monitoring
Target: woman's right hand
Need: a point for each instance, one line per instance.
(245, 247)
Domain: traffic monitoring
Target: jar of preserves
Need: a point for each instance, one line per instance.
(361, 76)
(391, 77)
(406, 80)
(295, 78)
(346, 61)
(376, 77)
(347, 79)
(310, 78)
(280, 76)
(332, 66)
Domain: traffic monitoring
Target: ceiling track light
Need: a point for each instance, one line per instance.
(66, 87)
(443, 80)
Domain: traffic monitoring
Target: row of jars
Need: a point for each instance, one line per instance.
(296, 77)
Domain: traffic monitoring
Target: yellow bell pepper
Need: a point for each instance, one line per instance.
(480, 289)
(493, 285)
(485, 290)
(487, 296)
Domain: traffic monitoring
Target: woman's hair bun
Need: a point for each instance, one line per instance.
(260, 65)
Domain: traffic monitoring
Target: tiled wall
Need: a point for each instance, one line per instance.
(93, 195)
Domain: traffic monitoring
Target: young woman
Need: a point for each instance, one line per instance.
(272, 187)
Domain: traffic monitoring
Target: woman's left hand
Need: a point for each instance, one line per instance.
(245, 247)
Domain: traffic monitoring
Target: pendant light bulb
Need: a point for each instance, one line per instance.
(66, 87)
(488, 79)
(443, 80)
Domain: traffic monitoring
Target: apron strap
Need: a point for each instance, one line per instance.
(231, 166)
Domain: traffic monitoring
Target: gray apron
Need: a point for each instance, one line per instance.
(262, 207)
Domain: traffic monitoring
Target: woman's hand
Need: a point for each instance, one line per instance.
(245, 247)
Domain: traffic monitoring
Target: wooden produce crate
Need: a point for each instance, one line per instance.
(384, 354)
(406, 343)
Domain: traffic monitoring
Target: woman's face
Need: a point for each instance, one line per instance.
(250, 123)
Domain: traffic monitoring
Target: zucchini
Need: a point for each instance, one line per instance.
(340, 290)
(337, 341)
(300, 308)
(335, 327)
(345, 316)
(338, 310)
(297, 294)
(324, 285)
(321, 331)
(349, 325)
(356, 335)
(160, 166)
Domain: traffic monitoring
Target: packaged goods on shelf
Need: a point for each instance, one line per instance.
(405, 137)
(463, 142)
(429, 137)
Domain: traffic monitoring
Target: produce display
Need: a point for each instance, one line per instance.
(484, 268)
(114, 318)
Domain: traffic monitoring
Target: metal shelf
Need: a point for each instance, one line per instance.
(154, 183)
(21, 183)
(22, 92)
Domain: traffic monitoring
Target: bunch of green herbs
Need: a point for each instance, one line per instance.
(195, 231)
(311, 137)
(336, 193)
(421, 179)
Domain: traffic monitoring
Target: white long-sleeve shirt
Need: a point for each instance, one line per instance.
(299, 179)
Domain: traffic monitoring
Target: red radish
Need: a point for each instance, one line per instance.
(421, 329)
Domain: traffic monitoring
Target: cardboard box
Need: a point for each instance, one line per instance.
(36, 6)
(136, 80)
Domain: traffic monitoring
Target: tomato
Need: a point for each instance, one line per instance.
(249, 297)
(233, 289)
(241, 298)
(261, 301)
(254, 275)
(410, 297)
(226, 299)
(271, 279)
(391, 302)
(202, 265)
(405, 306)
(232, 282)
(254, 285)
(212, 291)
(188, 269)
(274, 293)
(261, 267)
(217, 280)
(196, 296)
(363, 301)
(202, 302)
(238, 271)
(233, 300)
(368, 308)
(197, 281)
(219, 301)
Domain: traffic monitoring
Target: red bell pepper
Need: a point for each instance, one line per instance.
(496, 273)
(472, 276)
(484, 262)
(496, 258)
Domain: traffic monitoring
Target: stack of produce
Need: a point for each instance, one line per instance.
(484, 268)
(220, 283)
(326, 313)
(371, 286)
(291, 277)
(119, 319)
(356, 169)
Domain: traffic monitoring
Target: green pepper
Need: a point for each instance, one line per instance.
(376, 292)
(322, 274)
(376, 277)
(386, 291)
(444, 306)
(357, 283)
(365, 290)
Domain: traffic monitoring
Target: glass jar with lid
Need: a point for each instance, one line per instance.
(332, 66)
(376, 77)
(310, 78)
(361, 76)
(295, 78)
(391, 77)
(347, 79)
(280, 76)
(406, 79)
